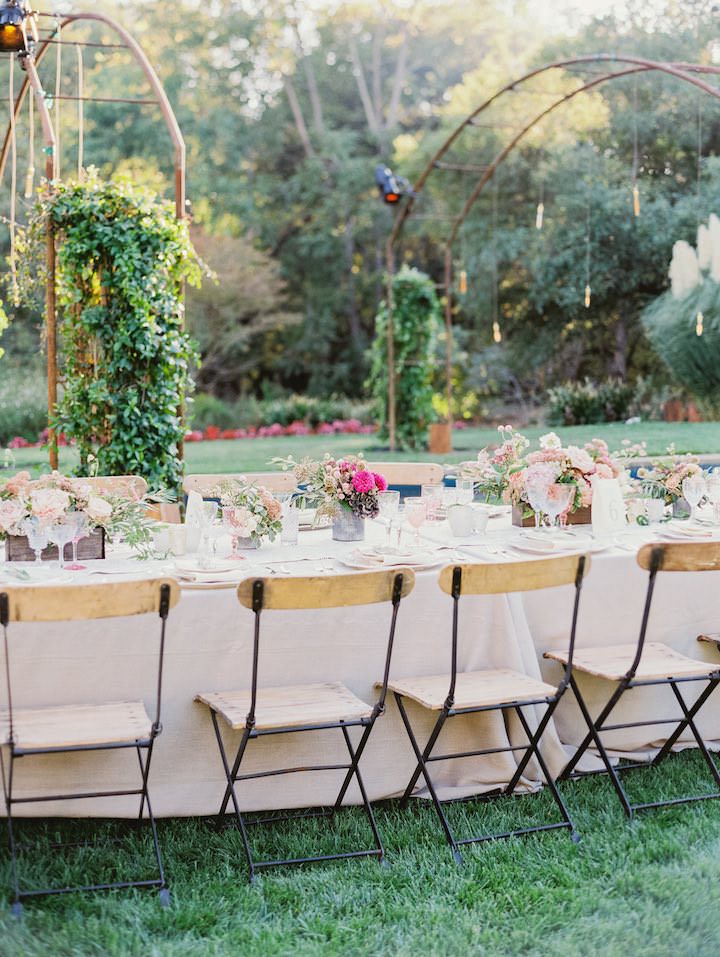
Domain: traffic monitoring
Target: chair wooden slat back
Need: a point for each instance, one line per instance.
(87, 602)
(133, 486)
(409, 473)
(274, 481)
(681, 556)
(507, 577)
(325, 591)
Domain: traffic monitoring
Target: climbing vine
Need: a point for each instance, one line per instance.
(122, 258)
(416, 318)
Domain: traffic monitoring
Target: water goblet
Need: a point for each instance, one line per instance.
(37, 536)
(713, 492)
(80, 529)
(465, 491)
(693, 488)
(559, 497)
(290, 522)
(537, 499)
(60, 534)
(416, 511)
(389, 505)
(433, 500)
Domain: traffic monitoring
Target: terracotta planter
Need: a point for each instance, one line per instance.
(18, 550)
(440, 438)
(579, 517)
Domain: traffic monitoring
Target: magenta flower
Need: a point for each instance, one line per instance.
(363, 482)
(380, 482)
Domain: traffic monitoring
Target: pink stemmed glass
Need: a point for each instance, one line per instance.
(416, 512)
(81, 529)
(559, 499)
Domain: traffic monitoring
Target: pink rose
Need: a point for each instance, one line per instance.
(49, 505)
(363, 482)
(380, 482)
(17, 483)
(12, 512)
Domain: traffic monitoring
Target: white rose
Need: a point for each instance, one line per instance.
(98, 509)
(550, 441)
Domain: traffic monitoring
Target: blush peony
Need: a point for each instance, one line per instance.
(12, 512)
(49, 505)
(98, 508)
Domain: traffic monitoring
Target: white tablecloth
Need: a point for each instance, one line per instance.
(209, 648)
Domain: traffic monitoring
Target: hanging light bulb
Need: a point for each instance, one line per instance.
(699, 324)
(29, 182)
(12, 18)
(587, 296)
(539, 216)
(463, 282)
(497, 335)
(636, 199)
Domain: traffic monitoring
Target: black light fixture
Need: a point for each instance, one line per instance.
(391, 187)
(12, 18)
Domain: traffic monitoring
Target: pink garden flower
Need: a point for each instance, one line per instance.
(380, 482)
(49, 505)
(12, 512)
(363, 481)
(17, 483)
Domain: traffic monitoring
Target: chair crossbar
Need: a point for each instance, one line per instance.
(373, 852)
(81, 795)
(308, 767)
(516, 833)
(642, 682)
(670, 801)
(636, 724)
(474, 754)
(299, 816)
(117, 885)
(498, 707)
(68, 749)
(330, 726)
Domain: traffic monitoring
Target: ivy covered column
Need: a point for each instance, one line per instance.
(122, 257)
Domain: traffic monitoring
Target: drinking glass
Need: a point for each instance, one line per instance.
(465, 491)
(60, 534)
(713, 492)
(693, 489)
(537, 499)
(207, 513)
(290, 522)
(37, 536)
(559, 497)
(80, 529)
(433, 500)
(416, 511)
(389, 503)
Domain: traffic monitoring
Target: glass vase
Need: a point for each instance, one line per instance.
(348, 527)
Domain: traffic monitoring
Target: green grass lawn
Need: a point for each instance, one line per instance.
(253, 455)
(646, 888)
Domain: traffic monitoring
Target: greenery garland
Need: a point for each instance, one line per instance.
(122, 258)
(416, 321)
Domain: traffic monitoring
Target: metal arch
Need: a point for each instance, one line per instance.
(680, 71)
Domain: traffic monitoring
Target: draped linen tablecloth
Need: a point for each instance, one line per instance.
(209, 647)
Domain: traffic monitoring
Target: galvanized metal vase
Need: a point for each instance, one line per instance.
(348, 527)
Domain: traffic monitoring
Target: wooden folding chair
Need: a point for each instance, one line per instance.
(81, 727)
(207, 484)
(131, 486)
(646, 664)
(472, 692)
(258, 712)
(409, 477)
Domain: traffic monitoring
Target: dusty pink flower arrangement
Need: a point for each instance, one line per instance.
(332, 484)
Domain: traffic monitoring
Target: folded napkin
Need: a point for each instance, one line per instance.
(686, 532)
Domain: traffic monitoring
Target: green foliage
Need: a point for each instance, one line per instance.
(121, 261)
(23, 402)
(691, 360)
(582, 403)
(247, 411)
(416, 320)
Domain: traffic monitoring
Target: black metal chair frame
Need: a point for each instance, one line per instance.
(250, 733)
(531, 749)
(596, 726)
(140, 745)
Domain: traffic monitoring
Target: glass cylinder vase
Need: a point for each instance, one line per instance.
(348, 527)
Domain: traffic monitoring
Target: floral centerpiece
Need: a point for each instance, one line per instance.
(250, 511)
(344, 488)
(55, 498)
(507, 472)
(664, 479)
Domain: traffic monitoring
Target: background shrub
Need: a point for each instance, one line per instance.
(584, 403)
(23, 403)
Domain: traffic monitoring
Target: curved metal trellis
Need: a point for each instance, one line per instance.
(30, 59)
(681, 71)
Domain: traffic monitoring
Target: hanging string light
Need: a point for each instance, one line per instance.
(588, 290)
(540, 212)
(497, 334)
(636, 157)
(463, 284)
(699, 319)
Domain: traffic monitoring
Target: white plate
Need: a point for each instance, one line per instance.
(218, 566)
(418, 561)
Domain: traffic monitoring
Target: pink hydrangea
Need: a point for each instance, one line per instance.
(49, 505)
(380, 482)
(363, 481)
(17, 483)
(11, 514)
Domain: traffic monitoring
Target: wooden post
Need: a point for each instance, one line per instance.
(389, 298)
(448, 340)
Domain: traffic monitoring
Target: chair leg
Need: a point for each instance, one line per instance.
(593, 735)
(349, 776)
(533, 741)
(163, 889)
(230, 775)
(534, 748)
(16, 905)
(687, 722)
(421, 768)
(354, 769)
(690, 722)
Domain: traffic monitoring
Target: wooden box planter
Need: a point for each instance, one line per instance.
(440, 438)
(581, 516)
(18, 550)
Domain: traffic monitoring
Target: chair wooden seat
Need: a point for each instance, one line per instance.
(473, 689)
(76, 725)
(657, 661)
(289, 707)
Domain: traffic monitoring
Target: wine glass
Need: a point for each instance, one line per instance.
(81, 529)
(693, 488)
(537, 498)
(60, 534)
(559, 497)
(713, 492)
(37, 536)
(389, 504)
(206, 515)
(416, 511)
(433, 500)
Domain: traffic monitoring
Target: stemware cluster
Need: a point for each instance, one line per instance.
(73, 528)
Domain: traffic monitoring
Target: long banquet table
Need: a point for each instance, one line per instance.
(209, 647)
